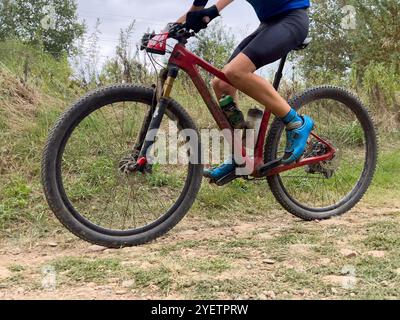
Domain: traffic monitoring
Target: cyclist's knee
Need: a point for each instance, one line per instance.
(234, 74)
(220, 85)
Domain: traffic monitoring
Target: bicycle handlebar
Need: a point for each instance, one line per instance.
(175, 31)
(179, 31)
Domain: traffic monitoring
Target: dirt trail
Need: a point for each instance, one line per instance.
(207, 261)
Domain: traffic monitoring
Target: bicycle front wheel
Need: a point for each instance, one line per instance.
(84, 180)
(329, 188)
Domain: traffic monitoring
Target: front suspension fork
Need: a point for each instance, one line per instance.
(158, 115)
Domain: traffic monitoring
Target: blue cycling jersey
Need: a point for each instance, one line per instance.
(267, 9)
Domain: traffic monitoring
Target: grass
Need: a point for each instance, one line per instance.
(186, 244)
(298, 236)
(100, 271)
(16, 268)
(87, 270)
(14, 280)
(382, 242)
(230, 266)
(15, 196)
(160, 277)
(209, 290)
(215, 260)
(210, 265)
(388, 170)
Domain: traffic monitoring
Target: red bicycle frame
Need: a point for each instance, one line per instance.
(188, 62)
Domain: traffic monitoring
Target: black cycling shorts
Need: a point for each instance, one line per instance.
(276, 38)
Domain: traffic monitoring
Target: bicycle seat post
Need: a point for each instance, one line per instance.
(279, 73)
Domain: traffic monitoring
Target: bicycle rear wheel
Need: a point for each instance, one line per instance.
(334, 187)
(83, 180)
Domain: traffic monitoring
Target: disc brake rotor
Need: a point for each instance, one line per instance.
(129, 165)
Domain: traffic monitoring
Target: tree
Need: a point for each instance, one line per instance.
(215, 44)
(52, 23)
(338, 48)
(378, 34)
(330, 53)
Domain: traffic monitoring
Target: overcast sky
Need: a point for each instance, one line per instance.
(153, 14)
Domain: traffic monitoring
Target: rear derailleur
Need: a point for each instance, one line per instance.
(326, 168)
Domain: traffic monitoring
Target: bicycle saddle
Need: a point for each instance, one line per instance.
(304, 45)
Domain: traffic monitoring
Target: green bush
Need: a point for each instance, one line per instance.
(381, 84)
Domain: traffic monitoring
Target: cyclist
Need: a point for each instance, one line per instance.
(284, 26)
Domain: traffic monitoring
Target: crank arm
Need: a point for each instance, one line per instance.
(263, 171)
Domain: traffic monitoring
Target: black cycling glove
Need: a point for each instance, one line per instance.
(195, 19)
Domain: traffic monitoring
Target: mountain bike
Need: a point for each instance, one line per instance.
(100, 184)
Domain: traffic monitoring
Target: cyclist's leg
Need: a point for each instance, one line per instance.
(283, 35)
(241, 74)
(221, 87)
(274, 40)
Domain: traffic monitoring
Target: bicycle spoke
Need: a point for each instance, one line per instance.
(120, 201)
(343, 131)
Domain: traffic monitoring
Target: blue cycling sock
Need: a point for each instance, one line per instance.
(292, 120)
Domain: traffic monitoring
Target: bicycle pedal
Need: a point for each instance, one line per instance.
(269, 166)
(227, 179)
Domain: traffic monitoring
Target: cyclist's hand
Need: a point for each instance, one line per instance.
(198, 20)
